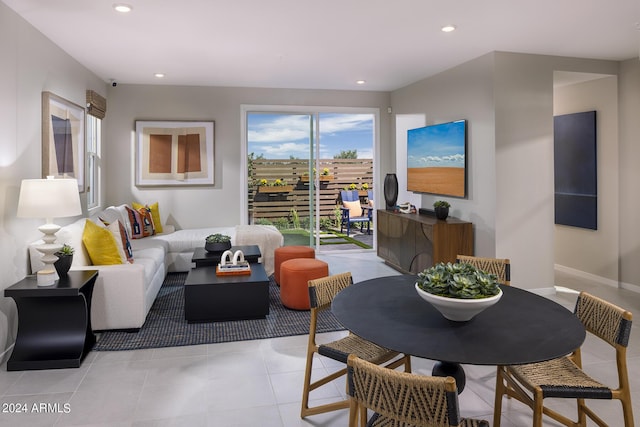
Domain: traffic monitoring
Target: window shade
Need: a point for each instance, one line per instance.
(96, 104)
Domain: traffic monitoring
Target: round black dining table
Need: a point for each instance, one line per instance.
(521, 327)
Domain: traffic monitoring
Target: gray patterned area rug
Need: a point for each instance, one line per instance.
(165, 325)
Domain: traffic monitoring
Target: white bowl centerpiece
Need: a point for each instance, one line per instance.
(458, 291)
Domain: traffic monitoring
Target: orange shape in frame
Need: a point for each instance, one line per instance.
(159, 153)
(189, 153)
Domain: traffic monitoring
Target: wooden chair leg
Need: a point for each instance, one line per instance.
(497, 405)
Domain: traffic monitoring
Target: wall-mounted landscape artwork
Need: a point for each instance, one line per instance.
(575, 170)
(62, 139)
(172, 153)
(436, 159)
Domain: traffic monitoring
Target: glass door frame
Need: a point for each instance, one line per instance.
(313, 111)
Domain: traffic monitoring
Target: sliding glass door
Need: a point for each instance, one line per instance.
(298, 163)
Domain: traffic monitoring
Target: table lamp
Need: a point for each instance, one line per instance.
(48, 198)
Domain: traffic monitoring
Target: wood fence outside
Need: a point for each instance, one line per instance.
(272, 202)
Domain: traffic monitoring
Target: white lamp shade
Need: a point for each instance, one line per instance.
(49, 198)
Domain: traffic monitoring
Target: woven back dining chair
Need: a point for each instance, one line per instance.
(403, 399)
(321, 293)
(501, 267)
(565, 378)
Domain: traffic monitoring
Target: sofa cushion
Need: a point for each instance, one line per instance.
(188, 240)
(100, 244)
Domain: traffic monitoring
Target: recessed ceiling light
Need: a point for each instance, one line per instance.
(360, 82)
(159, 75)
(122, 8)
(448, 28)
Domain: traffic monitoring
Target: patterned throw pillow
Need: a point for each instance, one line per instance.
(148, 228)
(141, 222)
(155, 214)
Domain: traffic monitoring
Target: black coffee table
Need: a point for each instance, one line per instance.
(202, 258)
(209, 297)
(521, 328)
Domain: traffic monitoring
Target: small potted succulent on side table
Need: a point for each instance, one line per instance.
(217, 243)
(442, 209)
(458, 291)
(65, 258)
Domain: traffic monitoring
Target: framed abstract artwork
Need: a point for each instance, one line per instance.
(63, 131)
(174, 153)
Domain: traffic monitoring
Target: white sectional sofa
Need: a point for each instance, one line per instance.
(124, 293)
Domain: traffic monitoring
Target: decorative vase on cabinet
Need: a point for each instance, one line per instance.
(391, 190)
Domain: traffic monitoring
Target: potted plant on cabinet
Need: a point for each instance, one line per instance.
(442, 209)
(65, 258)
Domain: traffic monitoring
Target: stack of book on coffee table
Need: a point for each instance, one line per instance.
(240, 267)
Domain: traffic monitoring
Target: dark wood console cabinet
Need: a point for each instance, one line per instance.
(411, 243)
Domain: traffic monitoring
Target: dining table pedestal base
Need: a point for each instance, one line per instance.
(448, 369)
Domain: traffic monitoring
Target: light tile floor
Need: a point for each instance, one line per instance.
(256, 383)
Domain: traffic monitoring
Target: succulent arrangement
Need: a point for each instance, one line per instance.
(218, 238)
(441, 204)
(459, 280)
(65, 250)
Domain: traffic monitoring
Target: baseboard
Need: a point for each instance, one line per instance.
(597, 279)
(630, 287)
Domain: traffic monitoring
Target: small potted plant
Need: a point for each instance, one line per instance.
(459, 291)
(65, 258)
(442, 209)
(217, 243)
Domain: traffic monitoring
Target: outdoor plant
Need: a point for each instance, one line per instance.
(325, 171)
(295, 219)
(352, 187)
(218, 238)
(65, 250)
(441, 204)
(263, 182)
(281, 223)
(459, 280)
(364, 186)
(279, 182)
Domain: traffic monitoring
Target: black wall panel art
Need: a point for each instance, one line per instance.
(576, 179)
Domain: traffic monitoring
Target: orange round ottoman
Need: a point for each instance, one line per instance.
(295, 275)
(285, 253)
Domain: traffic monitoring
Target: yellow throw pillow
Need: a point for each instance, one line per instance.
(100, 244)
(155, 214)
(355, 209)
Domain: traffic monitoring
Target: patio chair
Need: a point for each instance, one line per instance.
(501, 267)
(400, 398)
(353, 212)
(565, 378)
(321, 294)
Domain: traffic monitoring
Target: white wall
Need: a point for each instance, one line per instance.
(463, 92)
(30, 64)
(629, 112)
(507, 99)
(404, 122)
(189, 207)
(594, 251)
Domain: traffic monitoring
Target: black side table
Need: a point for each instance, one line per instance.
(54, 322)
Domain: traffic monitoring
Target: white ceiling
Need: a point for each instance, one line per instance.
(325, 44)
